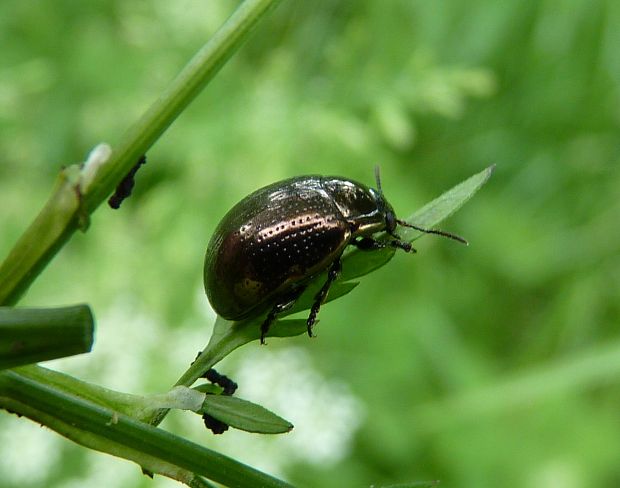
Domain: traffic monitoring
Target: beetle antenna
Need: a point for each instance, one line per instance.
(378, 179)
(434, 231)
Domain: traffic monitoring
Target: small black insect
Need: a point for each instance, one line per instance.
(273, 242)
(125, 187)
(223, 381)
(229, 386)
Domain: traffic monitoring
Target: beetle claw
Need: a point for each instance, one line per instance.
(264, 328)
(311, 328)
(405, 246)
(266, 325)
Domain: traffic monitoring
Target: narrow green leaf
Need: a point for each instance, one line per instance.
(209, 388)
(358, 263)
(337, 290)
(446, 204)
(285, 328)
(244, 415)
(30, 335)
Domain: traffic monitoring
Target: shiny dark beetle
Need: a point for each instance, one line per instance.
(273, 242)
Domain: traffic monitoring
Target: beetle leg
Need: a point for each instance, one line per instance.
(405, 246)
(287, 302)
(370, 244)
(320, 297)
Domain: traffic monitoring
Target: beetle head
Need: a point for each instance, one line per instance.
(391, 221)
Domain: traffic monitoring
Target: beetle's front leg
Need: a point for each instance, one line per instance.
(370, 244)
(320, 297)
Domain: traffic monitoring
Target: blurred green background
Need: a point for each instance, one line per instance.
(492, 365)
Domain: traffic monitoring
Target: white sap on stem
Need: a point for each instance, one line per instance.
(97, 157)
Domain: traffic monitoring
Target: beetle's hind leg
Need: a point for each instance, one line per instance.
(320, 297)
(282, 305)
(289, 300)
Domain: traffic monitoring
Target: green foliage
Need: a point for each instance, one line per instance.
(462, 358)
(244, 415)
(105, 429)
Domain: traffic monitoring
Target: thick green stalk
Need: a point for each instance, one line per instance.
(30, 335)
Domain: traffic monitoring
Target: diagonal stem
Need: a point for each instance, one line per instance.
(71, 202)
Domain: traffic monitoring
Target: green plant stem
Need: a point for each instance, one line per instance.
(107, 430)
(66, 384)
(68, 207)
(226, 337)
(38, 334)
(187, 85)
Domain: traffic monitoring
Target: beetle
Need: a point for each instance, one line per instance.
(271, 244)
